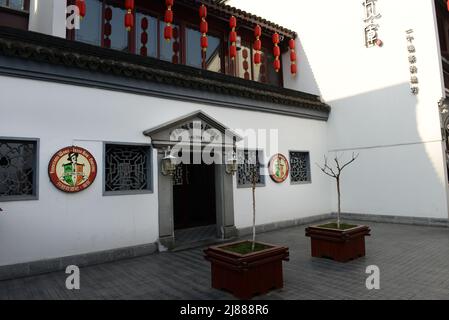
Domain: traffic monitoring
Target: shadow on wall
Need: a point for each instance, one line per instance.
(305, 78)
(401, 168)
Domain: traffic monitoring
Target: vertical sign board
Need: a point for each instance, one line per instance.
(371, 27)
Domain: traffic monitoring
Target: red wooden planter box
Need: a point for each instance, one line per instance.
(339, 245)
(247, 275)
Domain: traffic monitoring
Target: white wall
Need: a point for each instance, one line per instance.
(60, 224)
(401, 169)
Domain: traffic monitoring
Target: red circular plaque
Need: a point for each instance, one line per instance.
(278, 168)
(72, 169)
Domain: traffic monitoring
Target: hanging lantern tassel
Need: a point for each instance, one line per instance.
(81, 4)
(233, 38)
(129, 18)
(204, 27)
(293, 67)
(168, 31)
(276, 53)
(257, 45)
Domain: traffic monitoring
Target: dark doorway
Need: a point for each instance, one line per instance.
(194, 196)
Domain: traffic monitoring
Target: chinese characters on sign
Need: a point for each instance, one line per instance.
(371, 28)
(412, 61)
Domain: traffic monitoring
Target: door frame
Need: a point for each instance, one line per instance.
(224, 202)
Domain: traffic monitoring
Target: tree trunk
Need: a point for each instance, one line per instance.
(339, 202)
(254, 216)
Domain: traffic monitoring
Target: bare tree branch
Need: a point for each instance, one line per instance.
(329, 168)
(324, 170)
(331, 173)
(354, 157)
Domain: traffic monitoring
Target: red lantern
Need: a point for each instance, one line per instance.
(447, 5)
(144, 38)
(276, 38)
(257, 44)
(276, 52)
(81, 4)
(107, 27)
(277, 64)
(108, 14)
(129, 17)
(168, 16)
(168, 31)
(233, 22)
(204, 43)
(293, 67)
(233, 38)
(203, 11)
(204, 29)
(144, 23)
(129, 21)
(257, 58)
(233, 52)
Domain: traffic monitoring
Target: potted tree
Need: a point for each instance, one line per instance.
(247, 268)
(336, 240)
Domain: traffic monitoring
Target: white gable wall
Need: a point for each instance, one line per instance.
(401, 169)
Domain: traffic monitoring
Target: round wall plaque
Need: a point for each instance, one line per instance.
(72, 169)
(278, 168)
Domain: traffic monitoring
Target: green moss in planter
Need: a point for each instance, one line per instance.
(343, 226)
(245, 247)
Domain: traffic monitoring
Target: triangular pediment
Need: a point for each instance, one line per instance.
(195, 127)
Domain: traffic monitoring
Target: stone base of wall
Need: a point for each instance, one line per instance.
(283, 224)
(82, 260)
(433, 222)
(60, 264)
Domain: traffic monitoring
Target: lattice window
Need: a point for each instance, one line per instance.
(247, 159)
(127, 168)
(18, 163)
(300, 167)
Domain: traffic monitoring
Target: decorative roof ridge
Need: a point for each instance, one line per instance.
(53, 50)
(230, 10)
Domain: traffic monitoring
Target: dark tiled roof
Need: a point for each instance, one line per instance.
(227, 11)
(53, 50)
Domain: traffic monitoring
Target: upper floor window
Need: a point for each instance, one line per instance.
(18, 169)
(103, 25)
(15, 4)
(14, 13)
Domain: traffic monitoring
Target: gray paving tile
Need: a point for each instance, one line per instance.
(413, 260)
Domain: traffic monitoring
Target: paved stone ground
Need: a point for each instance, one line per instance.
(414, 264)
